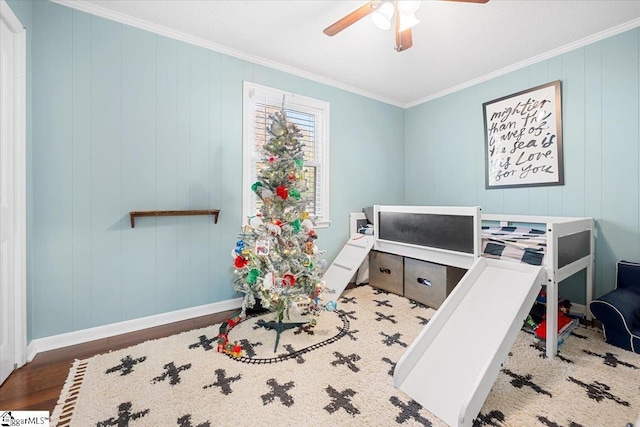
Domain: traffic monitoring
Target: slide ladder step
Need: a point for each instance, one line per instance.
(353, 253)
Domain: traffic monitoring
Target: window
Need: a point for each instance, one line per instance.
(312, 118)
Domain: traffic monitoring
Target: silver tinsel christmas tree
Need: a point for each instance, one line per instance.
(277, 263)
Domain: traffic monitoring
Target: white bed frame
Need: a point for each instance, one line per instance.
(556, 229)
(437, 370)
(558, 233)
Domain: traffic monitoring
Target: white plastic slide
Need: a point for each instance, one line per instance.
(451, 366)
(346, 264)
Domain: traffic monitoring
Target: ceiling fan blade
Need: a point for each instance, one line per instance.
(404, 39)
(351, 18)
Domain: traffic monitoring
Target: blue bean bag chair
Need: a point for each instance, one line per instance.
(619, 310)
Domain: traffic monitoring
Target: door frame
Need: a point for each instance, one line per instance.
(19, 181)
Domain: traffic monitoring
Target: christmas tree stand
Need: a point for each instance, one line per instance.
(279, 327)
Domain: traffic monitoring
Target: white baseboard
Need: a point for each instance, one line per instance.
(85, 335)
(579, 308)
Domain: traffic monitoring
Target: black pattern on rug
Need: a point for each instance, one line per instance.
(493, 418)
(349, 361)
(417, 304)
(172, 373)
(542, 353)
(423, 320)
(409, 410)
(390, 340)
(185, 421)
(126, 367)
(611, 359)
(382, 303)
(598, 391)
(547, 422)
(520, 381)
(348, 300)
(290, 350)
(278, 391)
(352, 334)
(307, 329)
(390, 362)
(341, 400)
(249, 347)
(388, 318)
(204, 342)
(124, 416)
(223, 382)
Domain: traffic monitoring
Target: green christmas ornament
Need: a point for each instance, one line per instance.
(296, 225)
(252, 277)
(299, 162)
(255, 186)
(294, 193)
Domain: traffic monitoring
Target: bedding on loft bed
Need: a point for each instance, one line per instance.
(517, 244)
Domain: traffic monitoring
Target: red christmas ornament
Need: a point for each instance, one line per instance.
(240, 262)
(272, 159)
(282, 192)
(288, 279)
(292, 176)
(277, 222)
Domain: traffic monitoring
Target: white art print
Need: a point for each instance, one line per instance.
(523, 138)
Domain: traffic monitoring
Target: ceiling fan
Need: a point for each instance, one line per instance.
(402, 11)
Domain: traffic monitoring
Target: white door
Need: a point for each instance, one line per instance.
(7, 306)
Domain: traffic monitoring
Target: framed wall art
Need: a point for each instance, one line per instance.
(523, 138)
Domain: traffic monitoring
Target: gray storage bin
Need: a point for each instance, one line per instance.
(429, 283)
(386, 272)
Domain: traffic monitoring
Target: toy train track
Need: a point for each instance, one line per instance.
(263, 361)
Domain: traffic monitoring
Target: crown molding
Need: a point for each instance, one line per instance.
(121, 18)
(102, 12)
(538, 58)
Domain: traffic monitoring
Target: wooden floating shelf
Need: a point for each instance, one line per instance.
(134, 214)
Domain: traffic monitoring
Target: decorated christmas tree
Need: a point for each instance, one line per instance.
(277, 263)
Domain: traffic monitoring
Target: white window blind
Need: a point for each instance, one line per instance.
(312, 118)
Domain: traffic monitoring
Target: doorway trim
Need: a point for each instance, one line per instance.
(19, 181)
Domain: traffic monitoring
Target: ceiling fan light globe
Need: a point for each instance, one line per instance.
(407, 7)
(382, 16)
(408, 21)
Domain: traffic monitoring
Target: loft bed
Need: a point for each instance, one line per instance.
(453, 236)
(437, 370)
(564, 246)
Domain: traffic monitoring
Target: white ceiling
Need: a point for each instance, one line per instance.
(455, 45)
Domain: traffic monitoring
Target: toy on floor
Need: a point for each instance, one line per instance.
(537, 319)
(224, 346)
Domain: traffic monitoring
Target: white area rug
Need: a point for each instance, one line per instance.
(339, 374)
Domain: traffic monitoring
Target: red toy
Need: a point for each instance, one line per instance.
(224, 346)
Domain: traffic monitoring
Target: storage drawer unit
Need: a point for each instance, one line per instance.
(429, 283)
(386, 271)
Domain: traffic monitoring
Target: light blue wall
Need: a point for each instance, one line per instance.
(444, 148)
(120, 119)
(125, 120)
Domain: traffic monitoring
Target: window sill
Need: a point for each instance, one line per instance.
(322, 224)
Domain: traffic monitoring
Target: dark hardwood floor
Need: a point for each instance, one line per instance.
(37, 385)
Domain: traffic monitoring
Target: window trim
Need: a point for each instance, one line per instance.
(250, 90)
